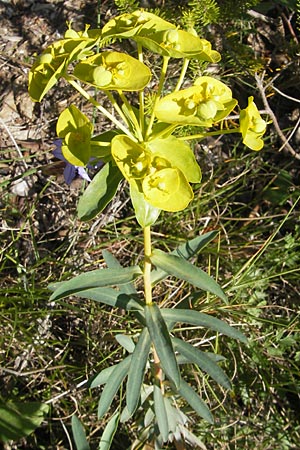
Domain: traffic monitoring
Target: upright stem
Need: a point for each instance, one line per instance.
(158, 93)
(117, 107)
(132, 116)
(182, 74)
(141, 94)
(158, 374)
(147, 265)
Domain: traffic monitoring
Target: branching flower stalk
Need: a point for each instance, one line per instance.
(158, 93)
(159, 167)
(97, 105)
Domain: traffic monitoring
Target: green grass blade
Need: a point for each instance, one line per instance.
(197, 318)
(203, 361)
(79, 434)
(184, 270)
(112, 386)
(195, 401)
(96, 278)
(162, 342)
(186, 251)
(109, 432)
(113, 263)
(160, 413)
(137, 370)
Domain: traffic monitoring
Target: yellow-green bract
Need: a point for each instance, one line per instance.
(75, 129)
(113, 71)
(160, 36)
(53, 62)
(160, 169)
(252, 126)
(203, 104)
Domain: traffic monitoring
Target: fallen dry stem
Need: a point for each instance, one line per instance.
(285, 142)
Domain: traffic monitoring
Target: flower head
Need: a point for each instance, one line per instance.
(252, 126)
(160, 170)
(207, 102)
(113, 71)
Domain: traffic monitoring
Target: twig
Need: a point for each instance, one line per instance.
(289, 25)
(284, 95)
(15, 143)
(18, 373)
(259, 83)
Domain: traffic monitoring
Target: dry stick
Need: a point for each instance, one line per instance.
(285, 95)
(282, 137)
(288, 23)
(15, 143)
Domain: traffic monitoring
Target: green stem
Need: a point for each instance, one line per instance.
(166, 131)
(182, 74)
(132, 116)
(147, 265)
(117, 107)
(211, 133)
(158, 93)
(103, 110)
(141, 94)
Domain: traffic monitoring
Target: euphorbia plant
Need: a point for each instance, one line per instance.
(144, 148)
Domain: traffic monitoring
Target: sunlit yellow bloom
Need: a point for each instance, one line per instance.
(75, 130)
(113, 71)
(252, 126)
(52, 64)
(203, 104)
(160, 36)
(160, 170)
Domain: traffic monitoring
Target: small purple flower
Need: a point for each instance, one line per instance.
(70, 171)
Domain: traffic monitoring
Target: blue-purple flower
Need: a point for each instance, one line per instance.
(70, 171)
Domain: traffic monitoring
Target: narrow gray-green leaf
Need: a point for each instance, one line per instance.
(113, 263)
(137, 370)
(96, 278)
(195, 401)
(162, 342)
(191, 439)
(101, 378)
(99, 192)
(111, 297)
(160, 413)
(181, 359)
(79, 434)
(186, 251)
(184, 270)
(109, 432)
(18, 419)
(113, 385)
(197, 318)
(149, 416)
(125, 415)
(126, 342)
(172, 415)
(203, 361)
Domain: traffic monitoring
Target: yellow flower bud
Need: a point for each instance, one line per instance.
(101, 76)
